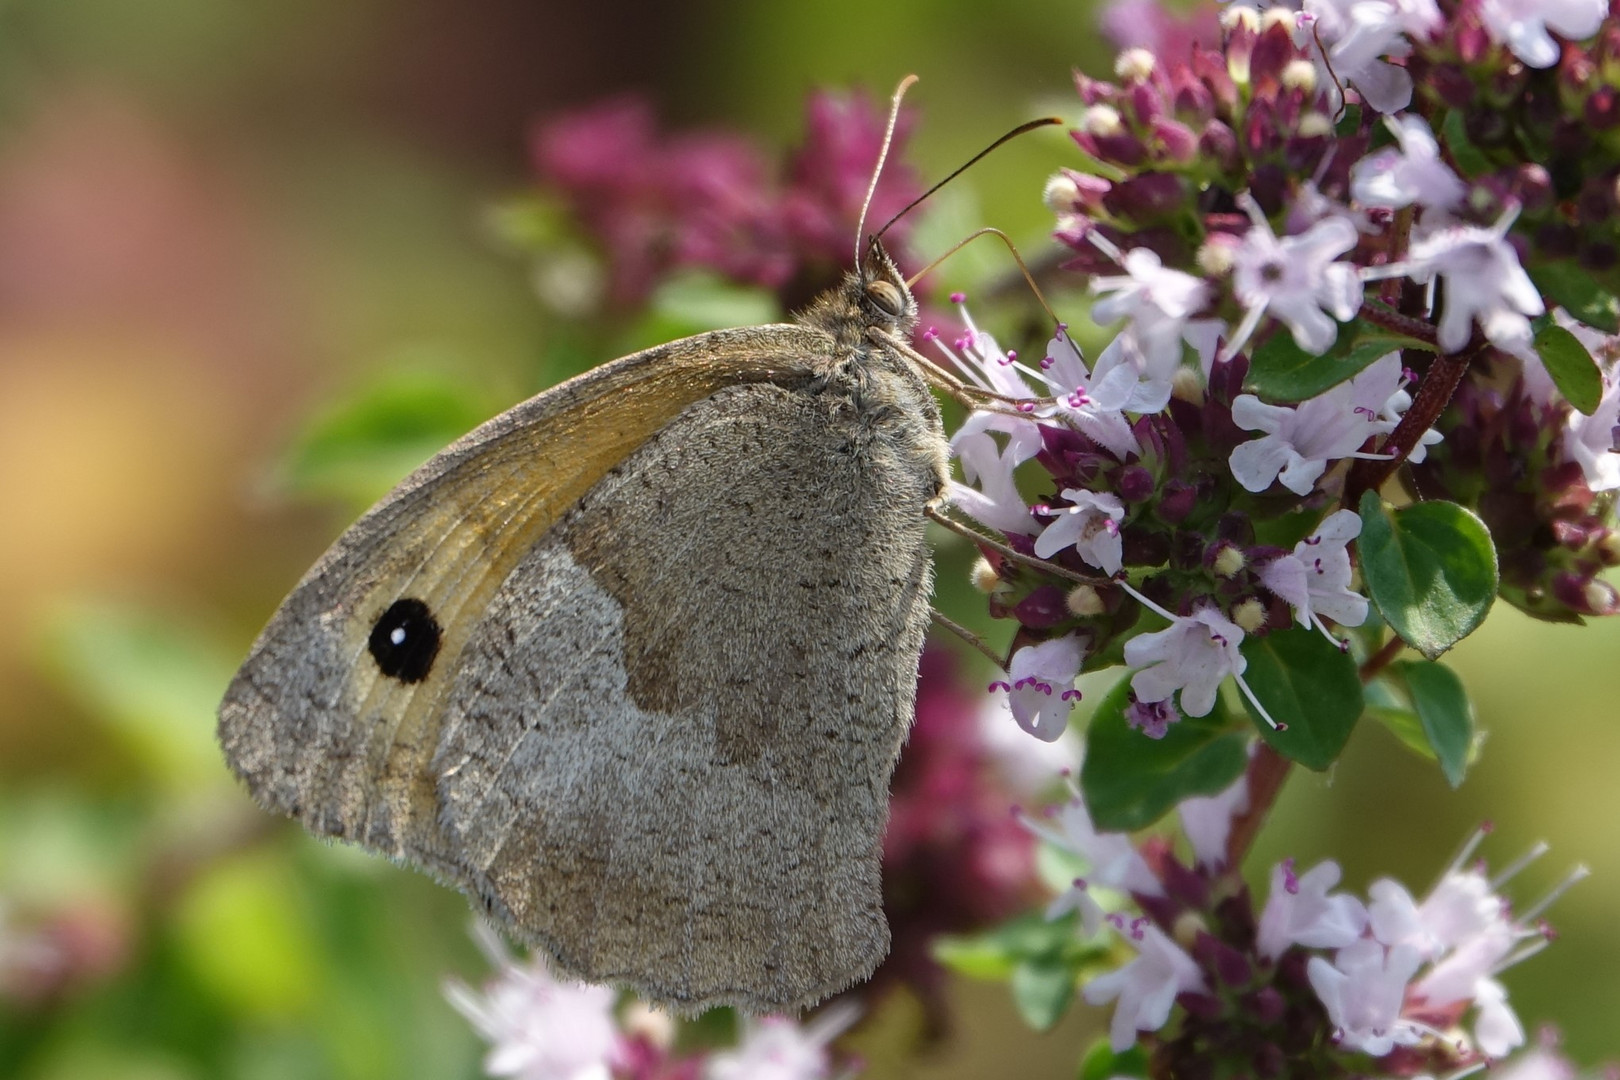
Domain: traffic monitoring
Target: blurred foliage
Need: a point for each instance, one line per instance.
(300, 233)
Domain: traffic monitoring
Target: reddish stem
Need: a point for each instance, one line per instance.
(1266, 773)
(1434, 393)
(1380, 660)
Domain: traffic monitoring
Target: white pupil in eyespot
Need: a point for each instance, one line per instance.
(397, 635)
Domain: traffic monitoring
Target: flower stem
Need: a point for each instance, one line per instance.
(1268, 769)
(1380, 660)
(1266, 773)
(1434, 392)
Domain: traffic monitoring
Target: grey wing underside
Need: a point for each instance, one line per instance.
(661, 750)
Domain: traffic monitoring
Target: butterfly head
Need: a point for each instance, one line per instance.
(883, 297)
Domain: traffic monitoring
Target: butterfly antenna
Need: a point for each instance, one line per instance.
(1031, 125)
(1011, 247)
(883, 155)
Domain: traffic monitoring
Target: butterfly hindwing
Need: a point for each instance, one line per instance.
(690, 792)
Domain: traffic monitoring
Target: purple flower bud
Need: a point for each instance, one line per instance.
(1585, 595)
(1178, 141)
(1602, 109)
(1192, 100)
(1147, 103)
(1134, 484)
(1267, 1005)
(1177, 502)
(1043, 608)
(1228, 964)
(1094, 91)
(1123, 149)
(1219, 143)
(1147, 197)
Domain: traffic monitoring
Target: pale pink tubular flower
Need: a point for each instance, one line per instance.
(1483, 279)
(1040, 685)
(1363, 991)
(1206, 821)
(1145, 988)
(1361, 37)
(1157, 300)
(1089, 524)
(1298, 442)
(983, 363)
(1296, 279)
(1315, 579)
(1523, 25)
(1113, 861)
(540, 1028)
(777, 1048)
(1193, 654)
(1589, 440)
(1094, 402)
(1300, 911)
(995, 500)
(1412, 172)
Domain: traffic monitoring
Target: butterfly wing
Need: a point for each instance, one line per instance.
(640, 697)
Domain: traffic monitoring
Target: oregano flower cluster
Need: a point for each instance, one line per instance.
(1353, 273)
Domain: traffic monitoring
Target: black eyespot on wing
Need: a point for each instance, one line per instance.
(405, 640)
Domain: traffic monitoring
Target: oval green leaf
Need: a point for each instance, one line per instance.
(1283, 373)
(1130, 781)
(1430, 568)
(1572, 368)
(1443, 707)
(1308, 684)
(1572, 288)
(1042, 989)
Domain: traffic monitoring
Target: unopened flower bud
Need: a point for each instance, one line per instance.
(1229, 562)
(1240, 16)
(1281, 16)
(1188, 925)
(1314, 125)
(1299, 74)
(983, 575)
(1134, 65)
(1187, 385)
(656, 1026)
(1084, 601)
(1061, 193)
(1215, 256)
(1608, 548)
(1249, 614)
(1101, 120)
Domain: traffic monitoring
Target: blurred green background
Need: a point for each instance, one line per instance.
(219, 222)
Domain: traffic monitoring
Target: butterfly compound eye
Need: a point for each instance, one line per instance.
(886, 296)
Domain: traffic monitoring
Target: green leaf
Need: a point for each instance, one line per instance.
(1393, 709)
(1471, 161)
(996, 953)
(149, 678)
(1572, 288)
(1572, 368)
(1443, 707)
(1430, 568)
(1281, 372)
(361, 447)
(1308, 685)
(1130, 780)
(1101, 1063)
(1042, 989)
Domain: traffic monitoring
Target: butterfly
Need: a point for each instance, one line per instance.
(632, 663)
